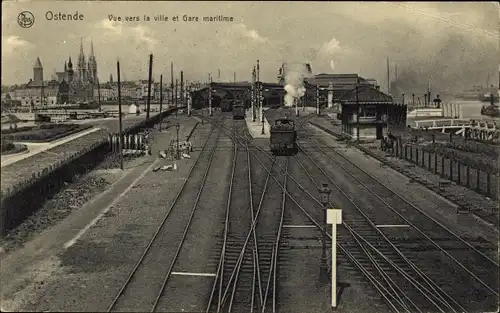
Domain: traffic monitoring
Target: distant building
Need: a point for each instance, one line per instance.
(165, 90)
(144, 89)
(106, 91)
(38, 92)
(285, 67)
(132, 109)
(68, 86)
(109, 91)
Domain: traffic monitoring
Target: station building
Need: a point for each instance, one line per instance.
(222, 93)
(368, 114)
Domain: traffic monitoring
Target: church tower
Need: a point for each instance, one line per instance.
(92, 63)
(70, 73)
(82, 65)
(38, 71)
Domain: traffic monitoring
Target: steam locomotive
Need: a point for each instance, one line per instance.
(283, 139)
(238, 111)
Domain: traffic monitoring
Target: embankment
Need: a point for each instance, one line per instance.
(28, 195)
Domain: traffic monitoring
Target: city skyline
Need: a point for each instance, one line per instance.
(438, 40)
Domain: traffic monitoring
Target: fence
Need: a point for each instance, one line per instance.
(23, 199)
(481, 181)
(130, 142)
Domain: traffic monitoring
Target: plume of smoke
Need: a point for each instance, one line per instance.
(294, 82)
(332, 65)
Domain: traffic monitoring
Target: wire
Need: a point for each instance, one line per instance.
(448, 21)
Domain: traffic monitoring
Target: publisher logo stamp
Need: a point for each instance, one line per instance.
(26, 19)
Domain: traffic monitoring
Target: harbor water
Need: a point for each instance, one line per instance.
(472, 110)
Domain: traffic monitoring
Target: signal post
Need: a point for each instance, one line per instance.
(334, 217)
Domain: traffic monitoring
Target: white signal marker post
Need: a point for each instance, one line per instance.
(334, 217)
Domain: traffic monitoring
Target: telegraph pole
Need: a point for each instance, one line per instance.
(182, 88)
(388, 78)
(172, 82)
(149, 84)
(234, 77)
(120, 141)
(357, 109)
(253, 93)
(161, 101)
(176, 86)
(317, 100)
(99, 94)
(258, 91)
(210, 97)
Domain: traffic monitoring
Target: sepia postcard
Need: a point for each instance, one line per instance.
(250, 156)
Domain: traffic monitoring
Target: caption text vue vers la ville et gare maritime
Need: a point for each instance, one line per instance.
(59, 16)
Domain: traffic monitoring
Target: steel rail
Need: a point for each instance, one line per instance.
(280, 184)
(236, 270)
(186, 229)
(254, 281)
(221, 283)
(461, 309)
(409, 203)
(316, 201)
(250, 190)
(278, 236)
(273, 257)
(345, 251)
(418, 271)
(385, 276)
(378, 267)
(240, 258)
(220, 267)
(254, 264)
(423, 275)
(148, 247)
(409, 222)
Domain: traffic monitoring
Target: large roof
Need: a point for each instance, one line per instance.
(365, 94)
(336, 79)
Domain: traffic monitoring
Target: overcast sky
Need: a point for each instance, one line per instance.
(455, 44)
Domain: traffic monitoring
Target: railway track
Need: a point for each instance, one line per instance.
(426, 294)
(146, 284)
(314, 221)
(469, 261)
(405, 287)
(247, 271)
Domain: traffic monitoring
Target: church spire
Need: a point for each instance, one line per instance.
(91, 48)
(81, 46)
(38, 64)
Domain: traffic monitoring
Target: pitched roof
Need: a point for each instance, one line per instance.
(365, 94)
(336, 79)
(231, 85)
(38, 64)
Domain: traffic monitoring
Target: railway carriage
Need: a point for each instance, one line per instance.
(283, 139)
